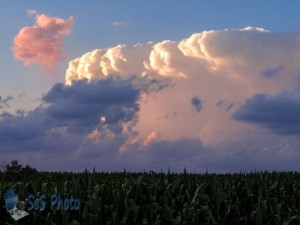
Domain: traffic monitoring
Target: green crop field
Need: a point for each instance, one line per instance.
(260, 198)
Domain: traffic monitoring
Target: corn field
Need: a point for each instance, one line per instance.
(162, 199)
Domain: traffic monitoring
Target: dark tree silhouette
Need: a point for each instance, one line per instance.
(15, 171)
(14, 167)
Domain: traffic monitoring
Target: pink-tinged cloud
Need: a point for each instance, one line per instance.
(42, 42)
(152, 136)
(138, 141)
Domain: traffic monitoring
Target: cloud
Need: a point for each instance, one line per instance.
(6, 100)
(42, 42)
(130, 106)
(120, 24)
(80, 105)
(279, 113)
(163, 154)
(98, 64)
(231, 65)
(243, 56)
(75, 109)
(88, 122)
(269, 73)
(86, 110)
(196, 102)
(152, 136)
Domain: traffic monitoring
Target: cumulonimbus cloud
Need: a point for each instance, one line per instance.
(226, 66)
(41, 43)
(211, 116)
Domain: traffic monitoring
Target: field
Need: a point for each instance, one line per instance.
(156, 198)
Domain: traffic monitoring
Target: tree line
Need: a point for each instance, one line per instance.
(16, 171)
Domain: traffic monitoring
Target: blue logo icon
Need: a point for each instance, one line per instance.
(11, 199)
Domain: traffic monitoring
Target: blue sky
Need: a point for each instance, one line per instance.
(221, 70)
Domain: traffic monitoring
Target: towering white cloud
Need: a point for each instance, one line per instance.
(98, 64)
(242, 55)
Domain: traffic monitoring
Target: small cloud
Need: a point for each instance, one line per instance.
(31, 12)
(120, 24)
(197, 103)
(41, 43)
(272, 72)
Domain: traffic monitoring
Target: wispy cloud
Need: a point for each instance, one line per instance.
(120, 24)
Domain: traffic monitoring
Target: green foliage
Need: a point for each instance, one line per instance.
(166, 199)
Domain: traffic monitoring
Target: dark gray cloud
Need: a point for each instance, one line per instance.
(197, 103)
(163, 154)
(272, 72)
(279, 113)
(160, 155)
(20, 128)
(70, 113)
(80, 106)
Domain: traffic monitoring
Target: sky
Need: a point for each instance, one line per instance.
(150, 85)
